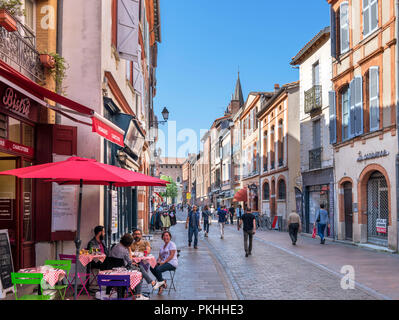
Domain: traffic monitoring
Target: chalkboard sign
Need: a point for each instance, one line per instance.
(6, 265)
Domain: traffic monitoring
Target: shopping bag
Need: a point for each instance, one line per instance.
(314, 233)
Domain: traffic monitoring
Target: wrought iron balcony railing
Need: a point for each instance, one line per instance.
(313, 100)
(315, 158)
(18, 49)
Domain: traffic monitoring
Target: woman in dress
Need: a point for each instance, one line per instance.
(167, 259)
(165, 220)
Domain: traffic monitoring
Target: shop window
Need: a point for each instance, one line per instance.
(14, 130)
(28, 135)
(3, 126)
(281, 190)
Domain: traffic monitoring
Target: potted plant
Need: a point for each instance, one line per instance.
(8, 10)
(47, 60)
(58, 72)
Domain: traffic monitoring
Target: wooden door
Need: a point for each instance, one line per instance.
(348, 210)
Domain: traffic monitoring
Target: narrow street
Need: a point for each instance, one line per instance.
(220, 270)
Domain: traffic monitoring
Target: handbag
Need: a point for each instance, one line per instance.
(314, 233)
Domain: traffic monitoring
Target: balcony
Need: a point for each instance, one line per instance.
(18, 49)
(315, 158)
(313, 100)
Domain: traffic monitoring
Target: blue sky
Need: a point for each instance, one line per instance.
(204, 42)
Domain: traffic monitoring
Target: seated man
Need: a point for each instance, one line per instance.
(141, 246)
(122, 251)
(97, 242)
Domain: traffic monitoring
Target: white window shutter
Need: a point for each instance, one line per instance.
(374, 98)
(137, 78)
(128, 29)
(358, 105)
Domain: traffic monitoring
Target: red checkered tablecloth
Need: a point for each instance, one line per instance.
(85, 259)
(135, 276)
(150, 259)
(50, 275)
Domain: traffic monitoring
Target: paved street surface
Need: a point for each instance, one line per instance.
(276, 269)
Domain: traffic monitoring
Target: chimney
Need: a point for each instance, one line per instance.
(276, 87)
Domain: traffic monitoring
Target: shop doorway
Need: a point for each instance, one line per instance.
(377, 209)
(273, 200)
(348, 210)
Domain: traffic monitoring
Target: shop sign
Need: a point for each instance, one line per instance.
(372, 155)
(107, 132)
(6, 206)
(16, 147)
(159, 189)
(17, 104)
(381, 225)
(188, 195)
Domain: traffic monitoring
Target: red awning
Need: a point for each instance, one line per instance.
(99, 124)
(241, 195)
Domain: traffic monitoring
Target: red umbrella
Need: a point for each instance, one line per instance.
(81, 171)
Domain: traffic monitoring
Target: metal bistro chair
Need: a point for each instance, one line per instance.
(28, 278)
(63, 265)
(171, 278)
(72, 258)
(122, 281)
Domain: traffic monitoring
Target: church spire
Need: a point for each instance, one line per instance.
(238, 91)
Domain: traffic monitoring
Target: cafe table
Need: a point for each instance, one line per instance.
(149, 259)
(85, 259)
(135, 276)
(50, 275)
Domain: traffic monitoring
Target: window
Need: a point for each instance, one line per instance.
(272, 154)
(29, 14)
(344, 26)
(280, 143)
(3, 126)
(315, 74)
(345, 114)
(265, 151)
(14, 130)
(281, 190)
(128, 71)
(316, 134)
(374, 101)
(370, 16)
(266, 191)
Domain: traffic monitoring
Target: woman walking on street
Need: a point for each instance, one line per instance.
(206, 214)
(323, 220)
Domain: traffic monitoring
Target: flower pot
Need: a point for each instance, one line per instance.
(47, 61)
(7, 21)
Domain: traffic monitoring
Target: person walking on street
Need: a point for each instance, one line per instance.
(248, 223)
(206, 215)
(238, 213)
(231, 211)
(193, 225)
(323, 220)
(222, 220)
(294, 226)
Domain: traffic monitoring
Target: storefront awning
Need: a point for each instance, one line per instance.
(38, 93)
(241, 195)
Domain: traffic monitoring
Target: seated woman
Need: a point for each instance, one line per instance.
(122, 251)
(167, 259)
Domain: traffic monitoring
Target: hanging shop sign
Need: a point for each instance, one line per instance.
(372, 155)
(107, 132)
(16, 147)
(381, 225)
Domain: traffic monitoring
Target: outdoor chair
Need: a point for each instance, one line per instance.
(63, 265)
(171, 278)
(28, 278)
(83, 283)
(111, 281)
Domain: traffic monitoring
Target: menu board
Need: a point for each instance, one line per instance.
(6, 205)
(6, 265)
(114, 211)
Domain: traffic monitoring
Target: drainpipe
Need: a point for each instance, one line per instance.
(60, 12)
(397, 121)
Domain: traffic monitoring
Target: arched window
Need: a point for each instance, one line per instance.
(178, 179)
(266, 191)
(281, 190)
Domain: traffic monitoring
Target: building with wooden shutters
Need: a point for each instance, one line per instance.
(315, 73)
(279, 150)
(363, 120)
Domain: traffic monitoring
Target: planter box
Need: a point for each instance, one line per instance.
(7, 21)
(47, 61)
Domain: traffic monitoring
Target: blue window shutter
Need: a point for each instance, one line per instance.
(358, 105)
(333, 36)
(374, 94)
(333, 117)
(352, 116)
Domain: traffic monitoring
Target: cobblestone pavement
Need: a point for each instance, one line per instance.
(220, 270)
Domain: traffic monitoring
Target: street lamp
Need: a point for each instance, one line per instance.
(165, 115)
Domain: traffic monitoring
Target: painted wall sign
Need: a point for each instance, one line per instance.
(16, 147)
(372, 155)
